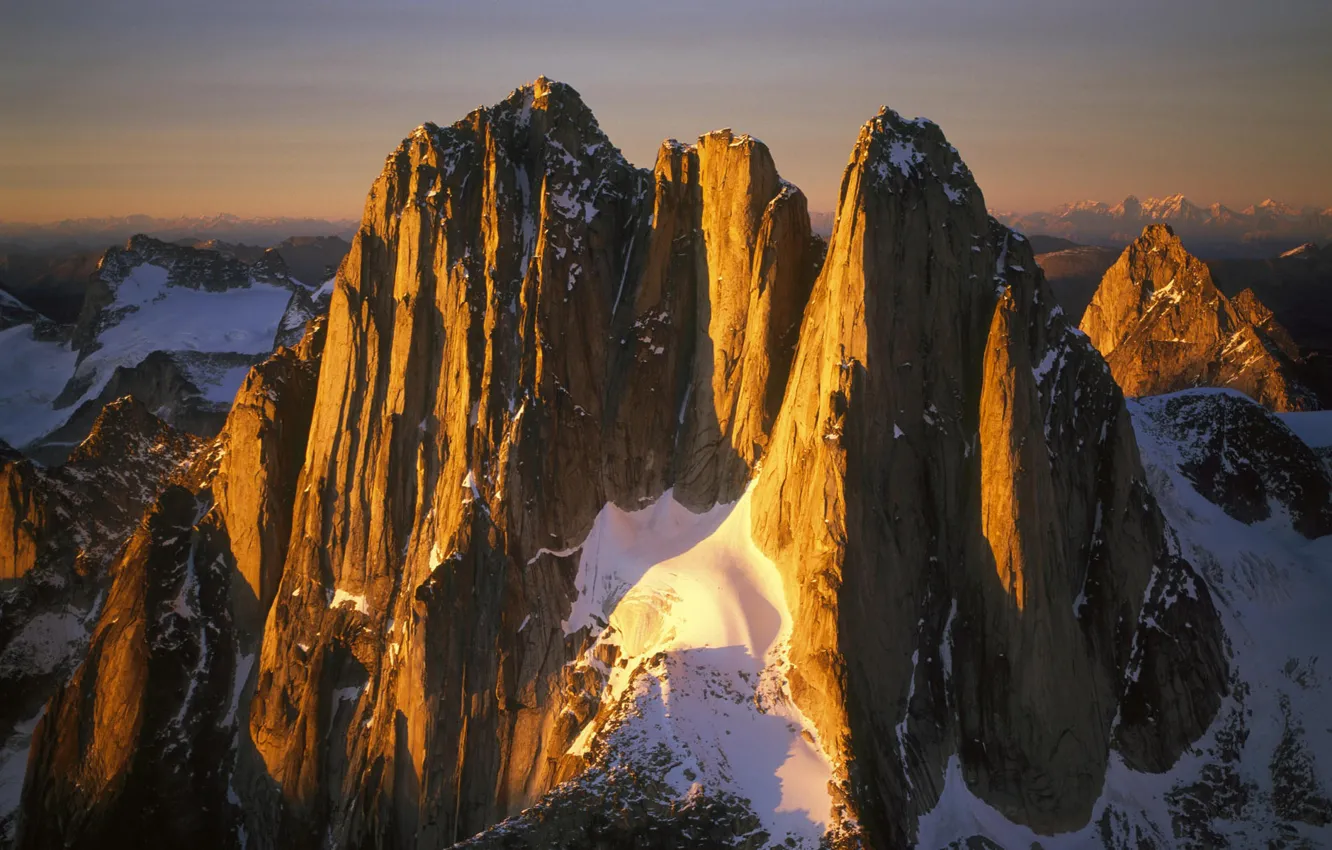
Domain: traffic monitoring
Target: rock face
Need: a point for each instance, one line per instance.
(527, 329)
(954, 496)
(60, 529)
(373, 612)
(1163, 326)
(142, 740)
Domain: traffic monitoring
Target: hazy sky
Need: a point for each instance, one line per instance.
(110, 107)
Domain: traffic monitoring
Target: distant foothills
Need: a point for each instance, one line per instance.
(1259, 230)
(101, 232)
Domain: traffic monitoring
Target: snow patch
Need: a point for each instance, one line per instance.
(699, 619)
(46, 643)
(342, 597)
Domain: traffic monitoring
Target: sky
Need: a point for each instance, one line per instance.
(175, 107)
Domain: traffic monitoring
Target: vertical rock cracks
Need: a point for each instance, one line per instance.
(527, 329)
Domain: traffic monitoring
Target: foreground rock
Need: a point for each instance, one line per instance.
(145, 740)
(60, 529)
(1163, 326)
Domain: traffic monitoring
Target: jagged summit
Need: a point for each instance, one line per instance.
(544, 114)
(897, 149)
(1162, 325)
(620, 515)
(1257, 231)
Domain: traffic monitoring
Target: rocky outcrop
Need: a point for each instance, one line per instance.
(23, 514)
(1244, 459)
(527, 329)
(1163, 326)
(954, 497)
(145, 738)
(75, 516)
(352, 623)
(60, 529)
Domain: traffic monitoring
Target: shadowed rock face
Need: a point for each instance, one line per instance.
(526, 330)
(144, 739)
(1163, 326)
(60, 530)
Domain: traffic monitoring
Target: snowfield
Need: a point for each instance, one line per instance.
(699, 620)
(1313, 427)
(158, 317)
(214, 337)
(32, 373)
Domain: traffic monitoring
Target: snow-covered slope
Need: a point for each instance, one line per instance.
(154, 316)
(1261, 775)
(177, 327)
(151, 315)
(1313, 427)
(32, 372)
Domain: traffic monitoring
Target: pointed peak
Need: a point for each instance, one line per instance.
(892, 148)
(124, 427)
(543, 92)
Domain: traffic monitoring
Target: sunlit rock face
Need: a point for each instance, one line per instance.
(620, 514)
(954, 497)
(526, 329)
(1162, 326)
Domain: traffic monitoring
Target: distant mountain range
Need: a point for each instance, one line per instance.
(99, 232)
(1214, 231)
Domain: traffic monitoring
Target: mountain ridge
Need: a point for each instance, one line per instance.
(942, 576)
(1266, 228)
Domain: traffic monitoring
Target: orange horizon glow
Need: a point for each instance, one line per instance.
(190, 108)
